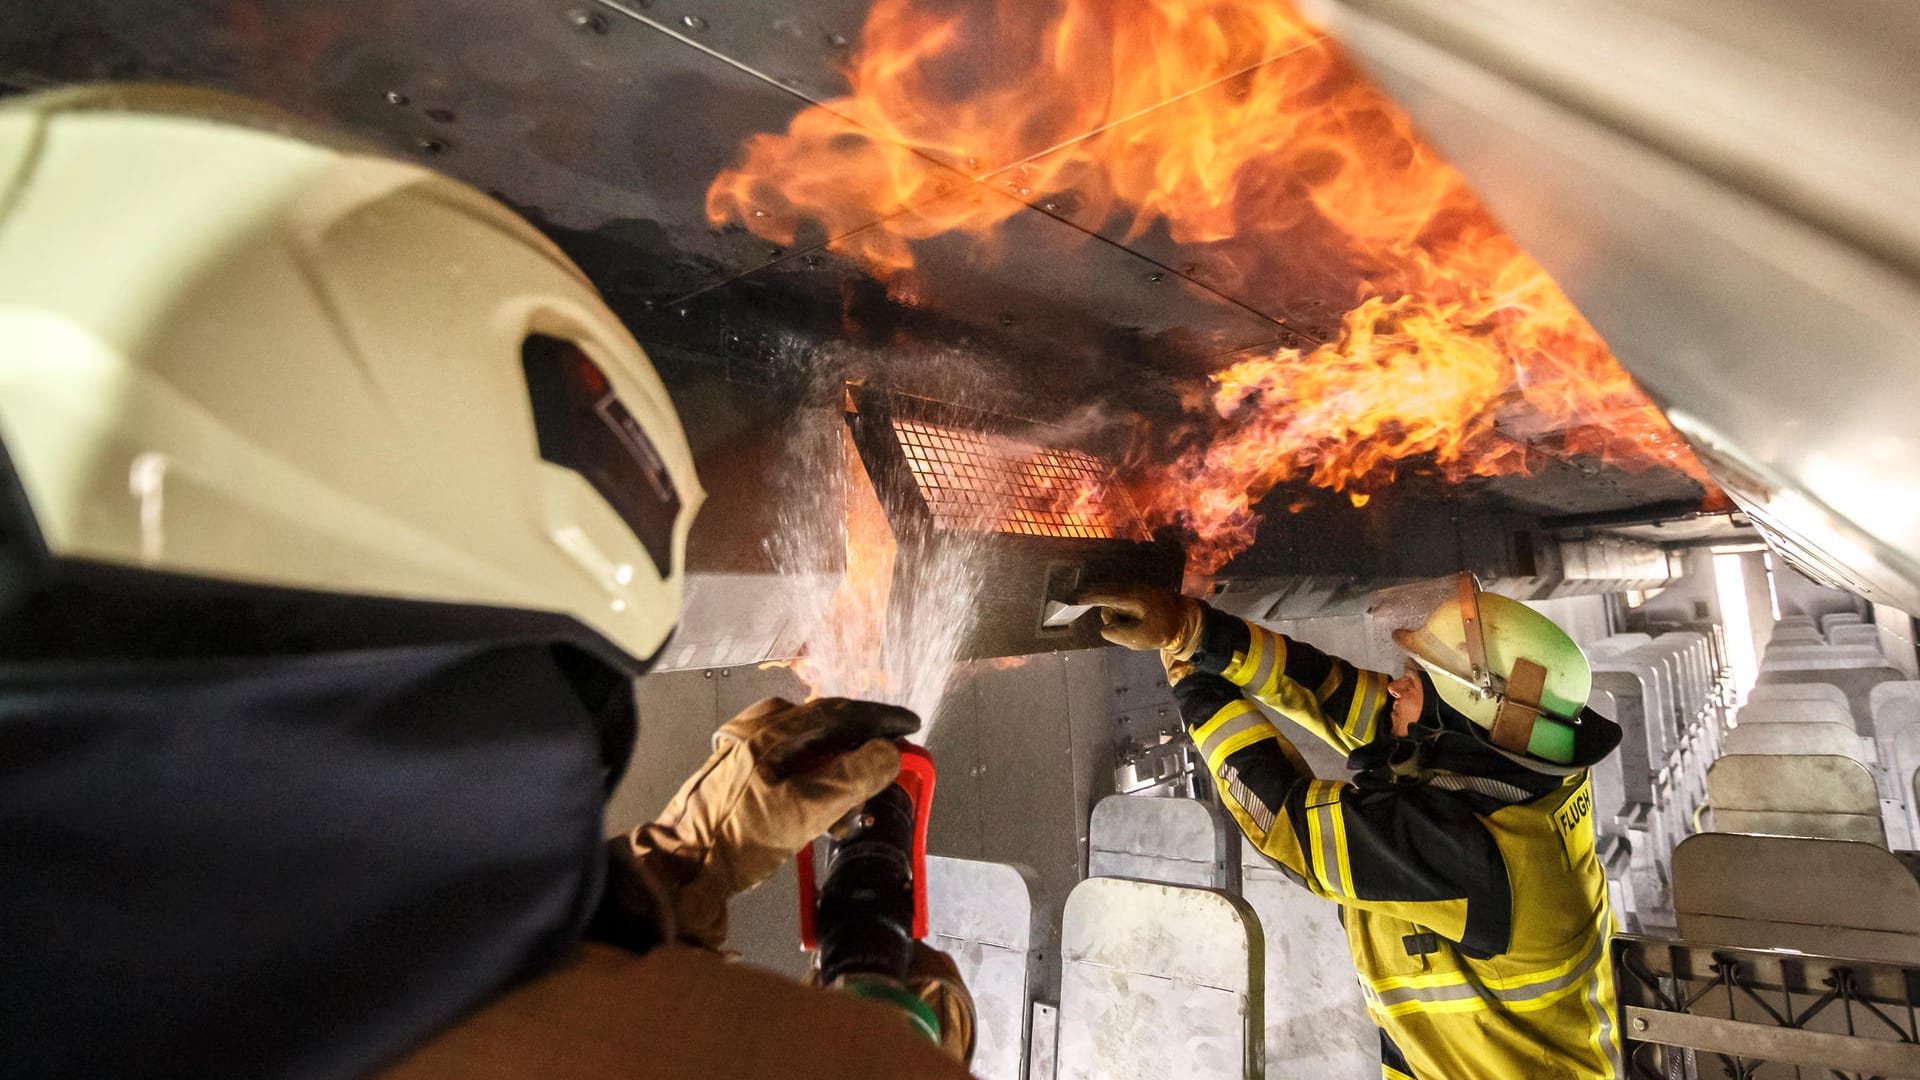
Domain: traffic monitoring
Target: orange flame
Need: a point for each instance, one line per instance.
(855, 622)
(1285, 176)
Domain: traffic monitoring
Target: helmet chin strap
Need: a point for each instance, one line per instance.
(1519, 707)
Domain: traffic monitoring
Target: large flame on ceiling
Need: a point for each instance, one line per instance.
(1240, 129)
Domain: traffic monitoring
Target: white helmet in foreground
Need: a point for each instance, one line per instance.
(230, 353)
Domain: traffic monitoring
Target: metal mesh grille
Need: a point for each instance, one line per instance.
(975, 480)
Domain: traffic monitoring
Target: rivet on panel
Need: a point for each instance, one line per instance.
(837, 40)
(395, 97)
(693, 22)
(426, 144)
(1156, 278)
(587, 22)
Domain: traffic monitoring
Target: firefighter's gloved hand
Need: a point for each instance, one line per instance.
(933, 978)
(1140, 617)
(780, 775)
(1177, 669)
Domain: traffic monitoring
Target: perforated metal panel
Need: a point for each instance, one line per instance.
(977, 480)
(1055, 518)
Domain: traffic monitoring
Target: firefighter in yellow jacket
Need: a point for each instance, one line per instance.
(1461, 850)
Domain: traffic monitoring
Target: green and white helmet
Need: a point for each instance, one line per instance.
(1509, 669)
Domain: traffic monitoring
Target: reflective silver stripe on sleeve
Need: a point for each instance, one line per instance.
(1269, 651)
(1256, 807)
(1329, 853)
(1369, 706)
(1252, 719)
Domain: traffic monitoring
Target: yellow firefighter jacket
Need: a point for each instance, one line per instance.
(1474, 906)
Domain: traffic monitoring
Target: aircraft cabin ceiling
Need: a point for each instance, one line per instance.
(1212, 254)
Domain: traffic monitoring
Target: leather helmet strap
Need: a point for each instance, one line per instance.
(1519, 707)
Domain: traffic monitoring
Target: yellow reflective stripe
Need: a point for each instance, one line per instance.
(1329, 684)
(1316, 841)
(1274, 664)
(1266, 658)
(1340, 845)
(1601, 999)
(1600, 1005)
(1472, 1003)
(1532, 978)
(1388, 1072)
(1216, 756)
(1597, 1028)
(1241, 669)
(1509, 983)
(1542, 990)
(1369, 690)
(1438, 978)
(1228, 713)
(1326, 829)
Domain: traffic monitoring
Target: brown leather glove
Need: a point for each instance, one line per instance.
(1141, 618)
(781, 775)
(933, 978)
(1177, 669)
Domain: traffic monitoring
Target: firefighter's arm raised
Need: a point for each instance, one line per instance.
(1344, 706)
(1340, 704)
(1409, 852)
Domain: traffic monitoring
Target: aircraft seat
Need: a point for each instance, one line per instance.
(1831, 897)
(1816, 795)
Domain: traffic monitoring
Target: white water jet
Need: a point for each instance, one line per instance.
(890, 626)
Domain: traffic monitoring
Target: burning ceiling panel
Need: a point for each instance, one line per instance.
(1456, 353)
(972, 479)
(1754, 252)
(1042, 518)
(1110, 198)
